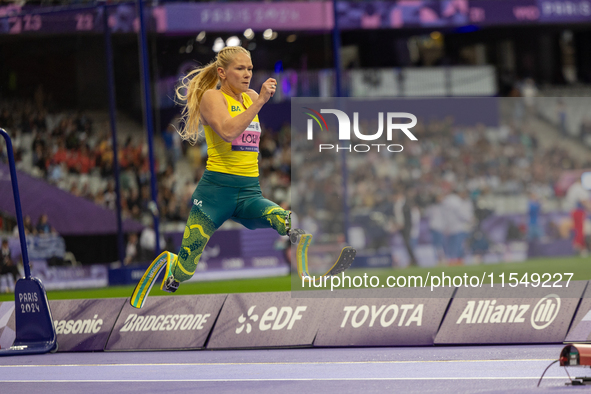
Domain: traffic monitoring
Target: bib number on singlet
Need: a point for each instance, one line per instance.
(249, 140)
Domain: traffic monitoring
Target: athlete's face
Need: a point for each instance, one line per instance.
(239, 73)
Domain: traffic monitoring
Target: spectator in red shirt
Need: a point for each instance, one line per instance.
(86, 160)
(81, 161)
(62, 153)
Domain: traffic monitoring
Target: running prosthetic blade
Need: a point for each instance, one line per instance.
(142, 289)
(169, 284)
(343, 262)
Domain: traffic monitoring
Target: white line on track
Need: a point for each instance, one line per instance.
(271, 380)
(277, 363)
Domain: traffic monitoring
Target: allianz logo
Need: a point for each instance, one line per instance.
(272, 319)
(133, 322)
(87, 326)
(487, 311)
(385, 315)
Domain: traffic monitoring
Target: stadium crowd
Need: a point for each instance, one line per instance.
(75, 153)
(449, 168)
(388, 192)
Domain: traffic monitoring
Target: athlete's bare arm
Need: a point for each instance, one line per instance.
(253, 95)
(214, 111)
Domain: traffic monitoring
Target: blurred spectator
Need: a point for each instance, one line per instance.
(585, 131)
(173, 142)
(85, 192)
(403, 206)
(309, 222)
(561, 113)
(458, 216)
(3, 154)
(534, 230)
(148, 243)
(467, 218)
(75, 191)
(127, 154)
(6, 119)
(80, 160)
(529, 91)
(577, 201)
(61, 155)
(28, 227)
(104, 155)
(109, 196)
(7, 266)
(131, 250)
(169, 178)
(437, 227)
(43, 226)
(57, 173)
(133, 200)
(40, 159)
(415, 219)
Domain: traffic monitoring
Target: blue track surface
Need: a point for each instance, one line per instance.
(367, 370)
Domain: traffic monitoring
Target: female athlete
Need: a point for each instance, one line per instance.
(229, 188)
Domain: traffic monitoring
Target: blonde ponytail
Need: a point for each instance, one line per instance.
(195, 84)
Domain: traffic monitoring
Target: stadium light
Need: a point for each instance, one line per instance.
(267, 34)
(218, 45)
(233, 41)
(249, 34)
(200, 37)
(291, 38)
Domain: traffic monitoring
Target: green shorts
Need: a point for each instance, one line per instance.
(217, 198)
(224, 196)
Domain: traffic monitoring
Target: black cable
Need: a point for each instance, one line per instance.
(551, 364)
(571, 379)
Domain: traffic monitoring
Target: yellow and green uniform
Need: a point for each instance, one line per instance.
(239, 157)
(229, 189)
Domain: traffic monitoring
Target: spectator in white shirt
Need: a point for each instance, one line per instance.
(437, 227)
